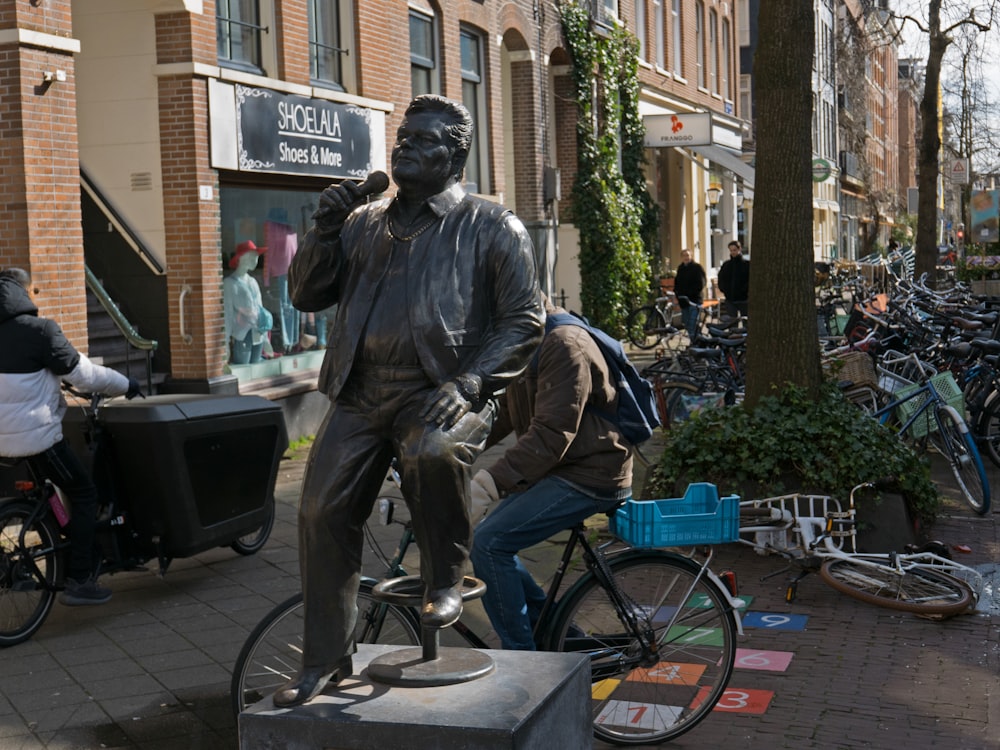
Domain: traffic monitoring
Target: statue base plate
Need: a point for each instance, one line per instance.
(408, 668)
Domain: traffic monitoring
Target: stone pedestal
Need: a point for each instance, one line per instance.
(532, 701)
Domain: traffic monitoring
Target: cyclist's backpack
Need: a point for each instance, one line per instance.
(636, 417)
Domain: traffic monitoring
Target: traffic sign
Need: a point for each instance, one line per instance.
(960, 171)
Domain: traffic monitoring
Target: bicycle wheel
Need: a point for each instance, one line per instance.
(966, 463)
(645, 326)
(918, 590)
(27, 574)
(272, 653)
(252, 542)
(654, 691)
(988, 430)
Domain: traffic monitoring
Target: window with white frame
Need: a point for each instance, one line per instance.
(610, 11)
(699, 42)
(237, 34)
(640, 28)
(727, 59)
(677, 37)
(424, 78)
(329, 35)
(658, 21)
(472, 44)
(713, 51)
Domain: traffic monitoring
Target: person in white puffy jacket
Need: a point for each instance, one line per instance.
(35, 357)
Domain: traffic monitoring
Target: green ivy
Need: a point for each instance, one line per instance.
(826, 445)
(611, 207)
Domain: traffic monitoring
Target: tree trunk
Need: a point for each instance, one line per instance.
(928, 165)
(783, 346)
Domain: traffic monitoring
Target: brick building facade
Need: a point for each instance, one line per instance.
(139, 140)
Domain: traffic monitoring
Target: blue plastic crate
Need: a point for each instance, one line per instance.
(700, 517)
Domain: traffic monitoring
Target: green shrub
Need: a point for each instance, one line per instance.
(790, 443)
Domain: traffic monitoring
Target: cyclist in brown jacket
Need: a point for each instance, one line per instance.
(568, 463)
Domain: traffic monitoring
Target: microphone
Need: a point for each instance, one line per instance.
(376, 182)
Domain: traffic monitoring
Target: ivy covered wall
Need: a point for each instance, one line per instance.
(611, 208)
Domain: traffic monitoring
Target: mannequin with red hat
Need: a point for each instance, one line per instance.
(246, 318)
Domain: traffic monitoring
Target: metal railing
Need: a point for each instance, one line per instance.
(131, 335)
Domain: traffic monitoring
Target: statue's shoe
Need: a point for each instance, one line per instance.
(309, 683)
(442, 607)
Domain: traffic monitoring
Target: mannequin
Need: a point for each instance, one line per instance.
(245, 320)
(283, 243)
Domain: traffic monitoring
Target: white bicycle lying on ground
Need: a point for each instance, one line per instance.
(813, 532)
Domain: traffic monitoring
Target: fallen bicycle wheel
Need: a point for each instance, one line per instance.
(921, 591)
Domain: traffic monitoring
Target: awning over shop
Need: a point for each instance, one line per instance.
(727, 160)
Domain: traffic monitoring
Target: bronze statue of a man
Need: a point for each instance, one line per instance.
(439, 308)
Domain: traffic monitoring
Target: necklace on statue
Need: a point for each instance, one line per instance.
(415, 233)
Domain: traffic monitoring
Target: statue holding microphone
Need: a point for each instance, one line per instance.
(438, 309)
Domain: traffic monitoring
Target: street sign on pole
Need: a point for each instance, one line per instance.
(960, 171)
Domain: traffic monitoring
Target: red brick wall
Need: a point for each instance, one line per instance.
(291, 35)
(687, 88)
(565, 124)
(40, 175)
(192, 236)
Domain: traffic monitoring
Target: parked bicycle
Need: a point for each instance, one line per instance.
(660, 629)
(922, 410)
(34, 542)
(813, 532)
(652, 325)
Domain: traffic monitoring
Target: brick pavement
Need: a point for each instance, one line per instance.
(150, 670)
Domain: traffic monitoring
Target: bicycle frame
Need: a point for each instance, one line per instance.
(596, 563)
(883, 414)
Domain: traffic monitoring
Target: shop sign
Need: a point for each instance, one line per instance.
(678, 130)
(290, 134)
(821, 170)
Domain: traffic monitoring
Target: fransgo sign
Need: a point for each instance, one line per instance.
(678, 130)
(288, 134)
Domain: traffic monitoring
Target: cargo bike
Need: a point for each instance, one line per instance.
(176, 474)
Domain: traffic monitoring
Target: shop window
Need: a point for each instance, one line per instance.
(474, 98)
(329, 37)
(238, 34)
(266, 335)
(423, 54)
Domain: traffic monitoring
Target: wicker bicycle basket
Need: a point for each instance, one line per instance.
(856, 367)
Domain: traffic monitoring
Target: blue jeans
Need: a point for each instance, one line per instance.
(690, 315)
(513, 600)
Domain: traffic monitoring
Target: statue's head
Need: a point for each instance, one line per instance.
(432, 144)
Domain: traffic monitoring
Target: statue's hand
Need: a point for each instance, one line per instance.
(336, 203)
(446, 406)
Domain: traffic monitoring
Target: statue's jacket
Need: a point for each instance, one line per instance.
(472, 300)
